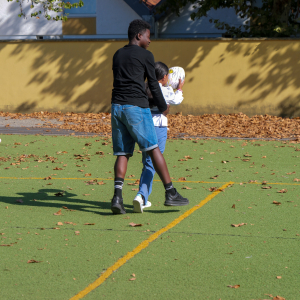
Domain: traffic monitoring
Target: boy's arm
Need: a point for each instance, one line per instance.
(171, 97)
(158, 98)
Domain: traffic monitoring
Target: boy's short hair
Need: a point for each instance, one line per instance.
(137, 26)
(161, 70)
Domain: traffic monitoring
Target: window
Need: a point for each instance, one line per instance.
(89, 8)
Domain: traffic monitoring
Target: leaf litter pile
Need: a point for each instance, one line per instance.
(208, 125)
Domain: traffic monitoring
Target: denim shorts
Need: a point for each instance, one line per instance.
(132, 124)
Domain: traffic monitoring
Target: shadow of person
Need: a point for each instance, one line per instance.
(58, 199)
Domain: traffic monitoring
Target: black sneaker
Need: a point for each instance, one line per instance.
(117, 205)
(175, 200)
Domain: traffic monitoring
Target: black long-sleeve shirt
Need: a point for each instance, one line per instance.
(131, 66)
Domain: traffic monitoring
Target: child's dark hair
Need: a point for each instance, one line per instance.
(137, 26)
(161, 70)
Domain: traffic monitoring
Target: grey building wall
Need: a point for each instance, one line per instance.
(14, 27)
(113, 18)
(173, 26)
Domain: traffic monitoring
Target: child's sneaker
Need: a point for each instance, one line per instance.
(138, 204)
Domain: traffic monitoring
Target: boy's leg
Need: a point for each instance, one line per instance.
(123, 146)
(140, 125)
(121, 165)
(160, 165)
(173, 198)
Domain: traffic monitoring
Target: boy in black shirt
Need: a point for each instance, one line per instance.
(131, 118)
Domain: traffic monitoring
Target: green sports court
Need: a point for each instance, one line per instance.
(238, 239)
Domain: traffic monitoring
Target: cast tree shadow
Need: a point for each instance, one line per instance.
(273, 68)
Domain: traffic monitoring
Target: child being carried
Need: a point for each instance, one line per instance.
(160, 122)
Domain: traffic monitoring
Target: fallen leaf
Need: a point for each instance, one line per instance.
(277, 203)
(296, 179)
(266, 187)
(86, 194)
(132, 279)
(19, 200)
(214, 177)
(282, 191)
(60, 223)
(87, 174)
(135, 189)
(77, 232)
(101, 183)
(264, 156)
(57, 213)
(188, 157)
(182, 179)
(186, 188)
(48, 178)
(233, 206)
(130, 176)
(247, 155)
(278, 298)
(33, 261)
(234, 286)
(89, 223)
(135, 225)
(238, 225)
(70, 223)
(264, 182)
(278, 277)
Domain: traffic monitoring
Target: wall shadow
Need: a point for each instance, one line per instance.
(74, 75)
(77, 75)
(272, 70)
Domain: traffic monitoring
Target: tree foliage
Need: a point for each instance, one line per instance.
(58, 8)
(264, 18)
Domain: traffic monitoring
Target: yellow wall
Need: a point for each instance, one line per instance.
(222, 76)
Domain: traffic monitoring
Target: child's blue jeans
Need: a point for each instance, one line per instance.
(148, 172)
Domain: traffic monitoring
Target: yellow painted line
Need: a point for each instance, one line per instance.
(157, 180)
(145, 244)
